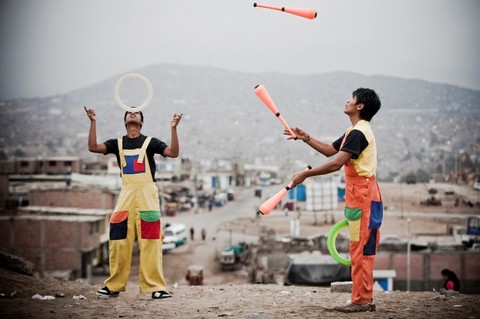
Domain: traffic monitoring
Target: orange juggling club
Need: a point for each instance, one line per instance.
(305, 13)
(263, 95)
(273, 201)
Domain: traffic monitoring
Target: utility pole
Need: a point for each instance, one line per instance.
(408, 255)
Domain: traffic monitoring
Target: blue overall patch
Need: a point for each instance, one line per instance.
(133, 166)
(376, 215)
(370, 247)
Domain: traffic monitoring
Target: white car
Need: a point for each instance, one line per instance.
(168, 246)
(175, 234)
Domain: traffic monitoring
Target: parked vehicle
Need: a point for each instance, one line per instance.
(469, 234)
(194, 275)
(473, 225)
(234, 256)
(227, 259)
(175, 234)
(171, 209)
(220, 199)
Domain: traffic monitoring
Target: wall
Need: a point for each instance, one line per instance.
(425, 269)
(51, 243)
(72, 197)
(4, 193)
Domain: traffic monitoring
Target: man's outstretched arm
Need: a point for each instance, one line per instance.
(174, 149)
(92, 134)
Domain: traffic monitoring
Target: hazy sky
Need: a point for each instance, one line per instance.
(54, 46)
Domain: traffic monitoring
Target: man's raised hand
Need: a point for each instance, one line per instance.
(91, 114)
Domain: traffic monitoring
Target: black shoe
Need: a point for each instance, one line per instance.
(106, 293)
(161, 295)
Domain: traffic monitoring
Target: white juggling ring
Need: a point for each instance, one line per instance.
(116, 92)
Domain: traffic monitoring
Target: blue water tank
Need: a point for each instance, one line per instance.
(300, 193)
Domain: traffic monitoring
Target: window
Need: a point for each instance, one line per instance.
(94, 227)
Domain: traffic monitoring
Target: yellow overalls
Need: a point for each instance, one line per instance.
(136, 215)
(364, 212)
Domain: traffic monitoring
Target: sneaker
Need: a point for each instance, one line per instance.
(106, 293)
(161, 295)
(356, 308)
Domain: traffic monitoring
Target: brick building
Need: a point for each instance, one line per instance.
(58, 240)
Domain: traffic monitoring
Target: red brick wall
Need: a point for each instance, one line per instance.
(60, 235)
(442, 261)
(472, 267)
(425, 269)
(383, 261)
(4, 232)
(27, 233)
(90, 237)
(62, 260)
(416, 266)
(58, 243)
(80, 198)
(3, 190)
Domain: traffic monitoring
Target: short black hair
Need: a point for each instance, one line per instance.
(125, 116)
(370, 100)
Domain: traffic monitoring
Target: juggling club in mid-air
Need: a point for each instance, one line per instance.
(263, 95)
(301, 12)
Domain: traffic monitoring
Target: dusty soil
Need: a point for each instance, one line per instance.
(227, 300)
(228, 294)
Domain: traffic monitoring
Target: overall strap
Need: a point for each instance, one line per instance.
(143, 150)
(121, 153)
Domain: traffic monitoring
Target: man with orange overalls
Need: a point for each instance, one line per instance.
(137, 212)
(356, 151)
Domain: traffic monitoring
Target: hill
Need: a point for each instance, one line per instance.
(420, 122)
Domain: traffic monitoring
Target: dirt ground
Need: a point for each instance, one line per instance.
(226, 300)
(228, 294)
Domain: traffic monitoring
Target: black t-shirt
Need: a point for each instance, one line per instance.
(355, 143)
(154, 147)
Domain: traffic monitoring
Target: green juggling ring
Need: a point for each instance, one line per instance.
(332, 236)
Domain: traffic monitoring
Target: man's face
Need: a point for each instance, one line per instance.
(351, 105)
(133, 117)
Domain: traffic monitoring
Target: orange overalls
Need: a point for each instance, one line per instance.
(364, 212)
(137, 214)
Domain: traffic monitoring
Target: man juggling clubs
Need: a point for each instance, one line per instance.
(356, 151)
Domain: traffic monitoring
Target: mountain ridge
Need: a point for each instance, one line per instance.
(224, 119)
